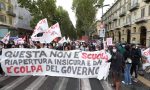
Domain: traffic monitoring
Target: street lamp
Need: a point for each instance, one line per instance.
(102, 6)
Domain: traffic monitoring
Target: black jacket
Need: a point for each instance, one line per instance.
(117, 62)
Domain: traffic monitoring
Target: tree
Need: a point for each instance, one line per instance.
(40, 9)
(67, 28)
(85, 11)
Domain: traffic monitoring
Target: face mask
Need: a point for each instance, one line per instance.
(45, 46)
(20, 46)
(77, 46)
(114, 50)
(123, 45)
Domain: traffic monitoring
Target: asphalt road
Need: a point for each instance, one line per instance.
(57, 83)
(48, 83)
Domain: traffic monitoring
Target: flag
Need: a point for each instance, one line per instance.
(40, 27)
(19, 41)
(62, 40)
(6, 38)
(52, 33)
(31, 42)
(68, 40)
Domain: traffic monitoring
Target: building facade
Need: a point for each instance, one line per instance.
(128, 21)
(13, 18)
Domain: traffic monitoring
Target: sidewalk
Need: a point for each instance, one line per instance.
(142, 84)
(145, 79)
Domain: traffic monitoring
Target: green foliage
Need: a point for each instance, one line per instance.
(40, 9)
(85, 11)
(67, 28)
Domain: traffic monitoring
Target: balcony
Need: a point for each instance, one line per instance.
(123, 13)
(11, 13)
(127, 24)
(146, 1)
(118, 28)
(141, 20)
(134, 7)
(109, 21)
(114, 18)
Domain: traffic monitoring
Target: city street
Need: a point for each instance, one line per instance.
(59, 83)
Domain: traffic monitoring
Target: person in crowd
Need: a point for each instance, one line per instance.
(73, 45)
(50, 46)
(117, 63)
(135, 56)
(128, 63)
(92, 47)
(1, 47)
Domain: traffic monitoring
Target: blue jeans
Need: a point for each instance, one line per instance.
(127, 75)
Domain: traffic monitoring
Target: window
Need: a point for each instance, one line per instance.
(149, 11)
(9, 1)
(10, 9)
(2, 18)
(123, 32)
(2, 6)
(134, 29)
(142, 12)
(10, 20)
(134, 15)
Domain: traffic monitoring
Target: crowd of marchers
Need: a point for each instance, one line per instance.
(126, 59)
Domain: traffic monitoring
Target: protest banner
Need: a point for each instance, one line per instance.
(109, 41)
(146, 53)
(74, 63)
(68, 40)
(6, 38)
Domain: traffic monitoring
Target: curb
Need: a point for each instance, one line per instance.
(144, 81)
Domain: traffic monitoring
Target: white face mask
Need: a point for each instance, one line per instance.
(20, 46)
(114, 50)
(77, 47)
(123, 45)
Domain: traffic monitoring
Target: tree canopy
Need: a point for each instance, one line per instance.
(40, 9)
(85, 12)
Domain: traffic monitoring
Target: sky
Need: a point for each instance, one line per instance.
(67, 4)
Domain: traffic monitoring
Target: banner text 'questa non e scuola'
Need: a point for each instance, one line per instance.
(74, 63)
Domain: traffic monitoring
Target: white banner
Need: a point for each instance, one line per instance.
(146, 53)
(75, 63)
(109, 41)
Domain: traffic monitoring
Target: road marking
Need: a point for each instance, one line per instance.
(3, 78)
(85, 84)
(106, 85)
(15, 83)
(61, 84)
(79, 84)
(37, 83)
(144, 81)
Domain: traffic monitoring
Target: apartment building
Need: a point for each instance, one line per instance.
(129, 21)
(13, 18)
